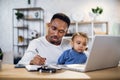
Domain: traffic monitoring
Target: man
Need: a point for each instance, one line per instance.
(47, 49)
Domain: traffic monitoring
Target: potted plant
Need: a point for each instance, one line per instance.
(19, 17)
(96, 12)
(1, 54)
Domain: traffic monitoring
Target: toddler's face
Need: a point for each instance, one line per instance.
(79, 43)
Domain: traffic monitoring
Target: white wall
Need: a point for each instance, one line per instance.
(111, 13)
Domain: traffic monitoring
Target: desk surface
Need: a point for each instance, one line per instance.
(8, 72)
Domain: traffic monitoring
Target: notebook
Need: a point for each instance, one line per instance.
(104, 53)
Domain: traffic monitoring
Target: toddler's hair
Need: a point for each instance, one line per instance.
(80, 34)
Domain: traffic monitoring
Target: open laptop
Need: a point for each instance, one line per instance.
(104, 53)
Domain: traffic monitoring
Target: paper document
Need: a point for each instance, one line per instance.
(32, 67)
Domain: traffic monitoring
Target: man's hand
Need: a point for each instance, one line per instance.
(38, 60)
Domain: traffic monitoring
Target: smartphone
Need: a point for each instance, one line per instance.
(20, 66)
(49, 70)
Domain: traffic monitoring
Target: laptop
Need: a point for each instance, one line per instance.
(104, 53)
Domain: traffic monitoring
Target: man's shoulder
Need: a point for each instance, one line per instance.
(65, 41)
(39, 39)
(65, 44)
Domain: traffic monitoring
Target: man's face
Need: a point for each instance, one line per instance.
(56, 30)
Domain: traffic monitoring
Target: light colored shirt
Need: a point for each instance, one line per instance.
(46, 49)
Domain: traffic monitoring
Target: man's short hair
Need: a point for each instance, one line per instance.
(63, 17)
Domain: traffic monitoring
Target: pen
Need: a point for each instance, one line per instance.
(39, 55)
(36, 50)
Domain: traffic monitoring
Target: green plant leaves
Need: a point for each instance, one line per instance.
(97, 10)
(19, 15)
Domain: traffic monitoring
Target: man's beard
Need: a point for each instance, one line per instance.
(58, 42)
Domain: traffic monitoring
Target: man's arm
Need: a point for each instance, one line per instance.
(30, 53)
(38, 60)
